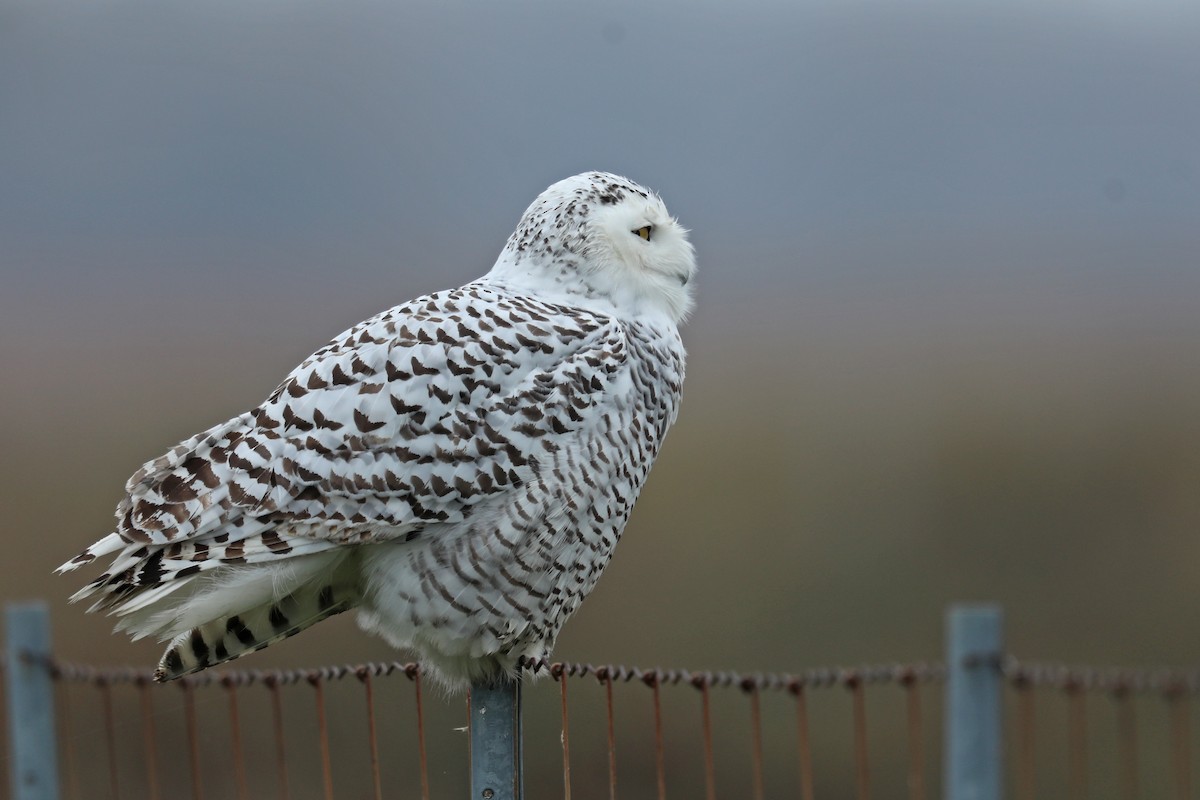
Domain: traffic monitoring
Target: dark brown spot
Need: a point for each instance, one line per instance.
(292, 420)
(440, 487)
(401, 407)
(238, 628)
(307, 475)
(202, 469)
(152, 569)
(199, 647)
(364, 423)
(324, 422)
(420, 369)
(309, 493)
(394, 373)
(278, 619)
(172, 663)
(239, 496)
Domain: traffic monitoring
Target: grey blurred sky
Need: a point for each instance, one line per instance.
(160, 148)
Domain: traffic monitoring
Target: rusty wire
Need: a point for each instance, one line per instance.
(862, 771)
(606, 679)
(235, 742)
(870, 675)
(1159, 681)
(1077, 743)
(916, 739)
(606, 675)
(1037, 675)
(110, 739)
(193, 738)
(86, 673)
(1025, 761)
(566, 733)
(1127, 742)
(314, 679)
(149, 739)
(277, 724)
(660, 766)
(756, 744)
(1180, 743)
(710, 774)
(69, 739)
(803, 744)
(1175, 686)
(372, 741)
(414, 674)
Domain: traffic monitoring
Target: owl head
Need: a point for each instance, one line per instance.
(601, 240)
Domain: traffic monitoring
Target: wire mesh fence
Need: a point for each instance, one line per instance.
(608, 731)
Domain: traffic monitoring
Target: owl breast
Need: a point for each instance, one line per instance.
(499, 585)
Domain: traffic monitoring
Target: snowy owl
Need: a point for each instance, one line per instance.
(458, 468)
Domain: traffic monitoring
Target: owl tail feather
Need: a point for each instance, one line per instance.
(252, 629)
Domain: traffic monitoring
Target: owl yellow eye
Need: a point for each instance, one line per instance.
(643, 232)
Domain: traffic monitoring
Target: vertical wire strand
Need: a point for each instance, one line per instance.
(916, 742)
(69, 742)
(660, 759)
(149, 739)
(757, 742)
(277, 721)
(710, 775)
(612, 738)
(235, 742)
(322, 733)
(1127, 744)
(803, 743)
(1025, 762)
(566, 736)
(193, 738)
(372, 741)
(416, 679)
(1077, 743)
(110, 739)
(862, 779)
(1180, 744)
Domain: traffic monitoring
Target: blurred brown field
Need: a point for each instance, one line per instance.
(838, 476)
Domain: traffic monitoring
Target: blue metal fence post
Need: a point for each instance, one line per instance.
(496, 762)
(974, 734)
(33, 762)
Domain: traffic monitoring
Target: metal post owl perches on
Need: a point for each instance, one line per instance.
(496, 761)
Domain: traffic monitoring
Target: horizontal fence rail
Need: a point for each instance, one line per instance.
(372, 730)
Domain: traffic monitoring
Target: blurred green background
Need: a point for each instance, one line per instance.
(946, 340)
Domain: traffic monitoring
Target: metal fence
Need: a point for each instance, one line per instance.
(370, 730)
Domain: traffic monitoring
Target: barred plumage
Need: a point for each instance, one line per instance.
(459, 468)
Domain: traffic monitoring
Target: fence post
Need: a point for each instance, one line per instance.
(495, 721)
(974, 734)
(34, 763)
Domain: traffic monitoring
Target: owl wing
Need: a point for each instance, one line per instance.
(410, 418)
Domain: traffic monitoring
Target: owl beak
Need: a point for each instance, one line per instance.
(683, 278)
